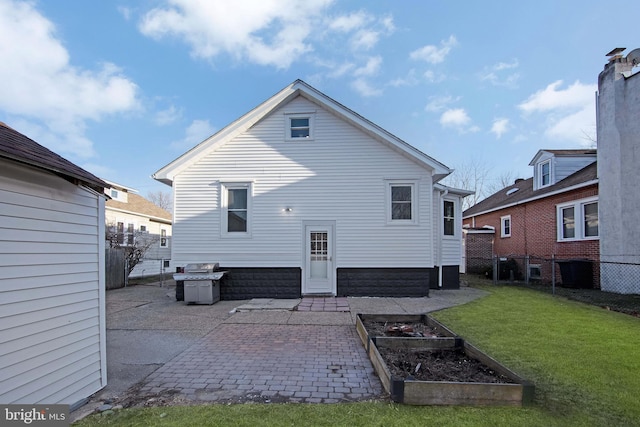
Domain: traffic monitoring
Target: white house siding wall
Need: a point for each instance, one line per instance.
(618, 174)
(448, 249)
(52, 332)
(153, 259)
(338, 176)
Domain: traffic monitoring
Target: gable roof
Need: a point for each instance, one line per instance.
(564, 153)
(298, 88)
(522, 191)
(139, 205)
(18, 147)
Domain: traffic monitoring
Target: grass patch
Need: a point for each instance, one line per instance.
(583, 360)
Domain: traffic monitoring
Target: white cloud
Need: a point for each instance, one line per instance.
(434, 54)
(409, 80)
(569, 113)
(370, 68)
(439, 103)
(500, 74)
(457, 118)
(194, 134)
(552, 98)
(168, 116)
(364, 88)
(45, 92)
(500, 127)
(239, 28)
(365, 28)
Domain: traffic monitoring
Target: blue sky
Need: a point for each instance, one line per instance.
(122, 88)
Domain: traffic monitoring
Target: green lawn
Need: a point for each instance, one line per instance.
(584, 361)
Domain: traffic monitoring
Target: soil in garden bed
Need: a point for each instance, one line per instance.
(401, 329)
(439, 365)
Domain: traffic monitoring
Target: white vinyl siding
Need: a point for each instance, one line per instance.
(342, 176)
(52, 331)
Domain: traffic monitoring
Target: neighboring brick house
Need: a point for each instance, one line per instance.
(554, 214)
(130, 217)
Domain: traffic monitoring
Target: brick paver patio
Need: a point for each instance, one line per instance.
(266, 362)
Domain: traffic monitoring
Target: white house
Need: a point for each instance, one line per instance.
(52, 294)
(130, 217)
(618, 127)
(303, 196)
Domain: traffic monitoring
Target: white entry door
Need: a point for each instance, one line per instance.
(319, 262)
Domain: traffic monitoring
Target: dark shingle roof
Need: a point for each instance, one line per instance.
(18, 147)
(507, 197)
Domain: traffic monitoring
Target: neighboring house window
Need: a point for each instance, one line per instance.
(120, 232)
(236, 209)
(505, 226)
(299, 126)
(114, 194)
(578, 220)
(130, 235)
(449, 218)
(163, 239)
(402, 203)
(545, 173)
(143, 228)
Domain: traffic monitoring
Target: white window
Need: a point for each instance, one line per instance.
(114, 194)
(236, 209)
(401, 202)
(299, 126)
(130, 234)
(164, 242)
(449, 218)
(505, 226)
(545, 174)
(578, 220)
(143, 228)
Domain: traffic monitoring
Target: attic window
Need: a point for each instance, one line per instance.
(545, 173)
(513, 190)
(299, 126)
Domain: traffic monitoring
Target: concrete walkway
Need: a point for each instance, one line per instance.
(259, 350)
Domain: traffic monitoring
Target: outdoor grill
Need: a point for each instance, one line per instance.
(201, 283)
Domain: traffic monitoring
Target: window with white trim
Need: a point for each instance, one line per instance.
(299, 126)
(505, 226)
(164, 242)
(545, 174)
(236, 209)
(401, 202)
(578, 220)
(449, 218)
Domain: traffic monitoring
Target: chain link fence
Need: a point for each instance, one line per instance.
(611, 285)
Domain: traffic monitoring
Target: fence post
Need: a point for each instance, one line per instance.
(553, 274)
(526, 269)
(495, 269)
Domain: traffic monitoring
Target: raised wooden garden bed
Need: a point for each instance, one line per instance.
(422, 362)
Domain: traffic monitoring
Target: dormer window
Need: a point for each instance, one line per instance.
(299, 126)
(545, 173)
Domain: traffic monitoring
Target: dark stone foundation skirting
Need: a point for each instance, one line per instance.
(384, 282)
(247, 283)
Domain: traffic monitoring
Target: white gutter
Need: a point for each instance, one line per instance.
(440, 234)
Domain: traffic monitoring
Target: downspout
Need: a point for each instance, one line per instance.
(440, 234)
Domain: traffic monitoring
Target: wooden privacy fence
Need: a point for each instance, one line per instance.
(115, 268)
